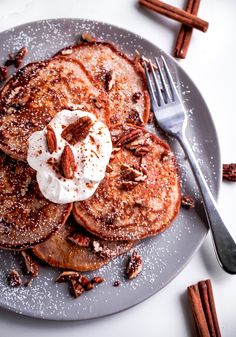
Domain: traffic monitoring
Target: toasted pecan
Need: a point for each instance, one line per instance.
(68, 162)
(51, 139)
(14, 279)
(134, 266)
(77, 131)
(128, 137)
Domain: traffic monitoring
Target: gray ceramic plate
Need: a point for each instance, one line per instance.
(165, 255)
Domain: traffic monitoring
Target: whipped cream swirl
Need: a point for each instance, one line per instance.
(91, 155)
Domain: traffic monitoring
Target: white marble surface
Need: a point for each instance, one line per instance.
(211, 64)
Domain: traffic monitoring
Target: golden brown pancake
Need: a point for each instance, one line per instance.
(140, 195)
(26, 217)
(121, 77)
(31, 98)
(60, 252)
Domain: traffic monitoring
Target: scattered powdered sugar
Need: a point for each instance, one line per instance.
(164, 255)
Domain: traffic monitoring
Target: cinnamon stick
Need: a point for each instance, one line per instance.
(185, 32)
(198, 312)
(203, 308)
(175, 14)
(213, 308)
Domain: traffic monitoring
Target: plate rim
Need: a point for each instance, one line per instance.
(217, 183)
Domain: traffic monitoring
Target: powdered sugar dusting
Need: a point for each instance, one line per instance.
(165, 255)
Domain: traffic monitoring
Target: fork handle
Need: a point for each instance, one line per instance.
(225, 246)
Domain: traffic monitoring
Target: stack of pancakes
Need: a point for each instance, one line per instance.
(140, 194)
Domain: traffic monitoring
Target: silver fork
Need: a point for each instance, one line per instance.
(172, 118)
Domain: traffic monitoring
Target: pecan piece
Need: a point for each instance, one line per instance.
(76, 288)
(132, 174)
(134, 117)
(79, 239)
(14, 280)
(97, 280)
(136, 96)
(109, 169)
(98, 104)
(229, 172)
(128, 185)
(86, 37)
(17, 59)
(51, 139)
(142, 59)
(134, 265)
(116, 284)
(101, 250)
(67, 276)
(3, 73)
(109, 80)
(140, 146)
(83, 281)
(77, 131)
(68, 162)
(20, 56)
(187, 201)
(128, 137)
(142, 151)
(30, 266)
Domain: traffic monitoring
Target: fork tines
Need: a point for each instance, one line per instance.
(163, 91)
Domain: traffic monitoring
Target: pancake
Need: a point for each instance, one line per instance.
(26, 217)
(31, 98)
(60, 252)
(140, 195)
(121, 77)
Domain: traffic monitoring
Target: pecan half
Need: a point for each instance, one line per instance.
(67, 276)
(30, 266)
(86, 37)
(3, 73)
(128, 137)
(114, 118)
(14, 280)
(134, 266)
(68, 162)
(77, 131)
(80, 239)
(76, 288)
(51, 139)
(66, 52)
(187, 201)
(229, 172)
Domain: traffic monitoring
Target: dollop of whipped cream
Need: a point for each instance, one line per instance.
(91, 156)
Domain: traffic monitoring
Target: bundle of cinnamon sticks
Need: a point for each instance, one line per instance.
(187, 17)
(203, 308)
